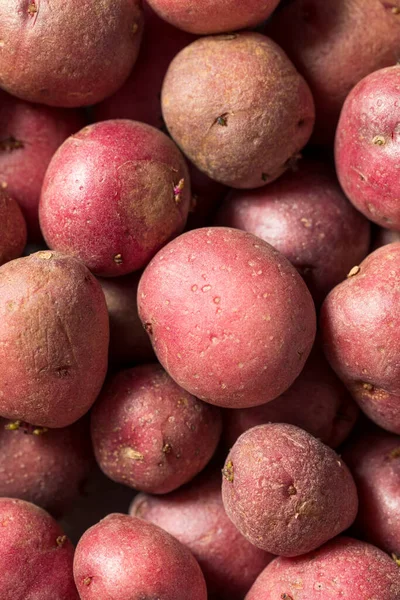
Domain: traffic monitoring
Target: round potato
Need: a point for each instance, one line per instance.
(12, 229)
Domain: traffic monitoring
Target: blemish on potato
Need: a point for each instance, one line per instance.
(167, 448)
(227, 471)
(149, 328)
(368, 387)
(178, 189)
(32, 9)
(292, 490)
(60, 541)
(396, 559)
(118, 259)
(265, 176)
(395, 453)
(132, 454)
(379, 140)
(217, 300)
(354, 271)
(135, 28)
(206, 288)
(11, 143)
(87, 581)
(44, 255)
(222, 120)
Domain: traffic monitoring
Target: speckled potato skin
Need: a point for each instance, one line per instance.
(125, 558)
(196, 516)
(149, 433)
(51, 53)
(29, 136)
(12, 229)
(237, 108)
(343, 568)
(306, 216)
(35, 555)
(359, 322)
(286, 491)
(113, 195)
(317, 402)
(229, 317)
(323, 39)
(46, 469)
(367, 146)
(54, 336)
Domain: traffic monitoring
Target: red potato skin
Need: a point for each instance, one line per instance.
(343, 568)
(113, 195)
(358, 322)
(29, 136)
(306, 216)
(12, 229)
(212, 301)
(35, 556)
(53, 54)
(244, 118)
(367, 147)
(195, 515)
(322, 39)
(122, 558)
(286, 491)
(54, 335)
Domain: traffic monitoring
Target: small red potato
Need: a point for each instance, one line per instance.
(113, 195)
(286, 491)
(195, 515)
(125, 558)
(71, 53)
(35, 555)
(367, 146)
(243, 118)
(12, 229)
(359, 323)
(54, 336)
(230, 319)
(343, 568)
(149, 433)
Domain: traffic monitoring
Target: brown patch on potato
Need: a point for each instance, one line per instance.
(396, 559)
(118, 259)
(222, 120)
(395, 453)
(87, 580)
(32, 9)
(379, 140)
(60, 541)
(149, 328)
(178, 189)
(132, 454)
(292, 490)
(354, 271)
(167, 448)
(10, 144)
(227, 471)
(286, 597)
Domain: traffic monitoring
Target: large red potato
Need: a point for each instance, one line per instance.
(229, 317)
(12, 229)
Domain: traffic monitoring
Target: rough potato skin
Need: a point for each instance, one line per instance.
(12, 229)
(125, 558)
(46, 468)
(54, 336)
(323, 39)
(306, 216)
(113, 195)
(359, 321)
(52, 53)
(229, 317)
(238, 108)
(35, 555)
(317, 402)
(343, 568)
(149, 433)
(367, 146)
(286, 491)
(196, 516)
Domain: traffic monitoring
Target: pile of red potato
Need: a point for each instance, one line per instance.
(199, 300)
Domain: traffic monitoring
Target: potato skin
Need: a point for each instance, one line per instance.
(358, 322)
(242, 119)
(286, 491)
(53, 54)
(35, 555)
(322, 39)
(342, 568)
(54, 336)
(122, 558)
(367, 146)
(195, 515)
(230, 319)
(149, 433)
(306, 216)
(120, 177)
(12, 229)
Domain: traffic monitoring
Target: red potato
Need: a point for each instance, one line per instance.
(306, 216)
(334, 45)
(12, 229)
(243, 119)
(195, 515)
(343, 568)
(113, 195)
(122, 558)
(52, 53)
(286, 491)
(35, 555)
(54, 336)
(29, 136)
(359, 322)
(230, 319)
(149, 433)
(367, 147)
